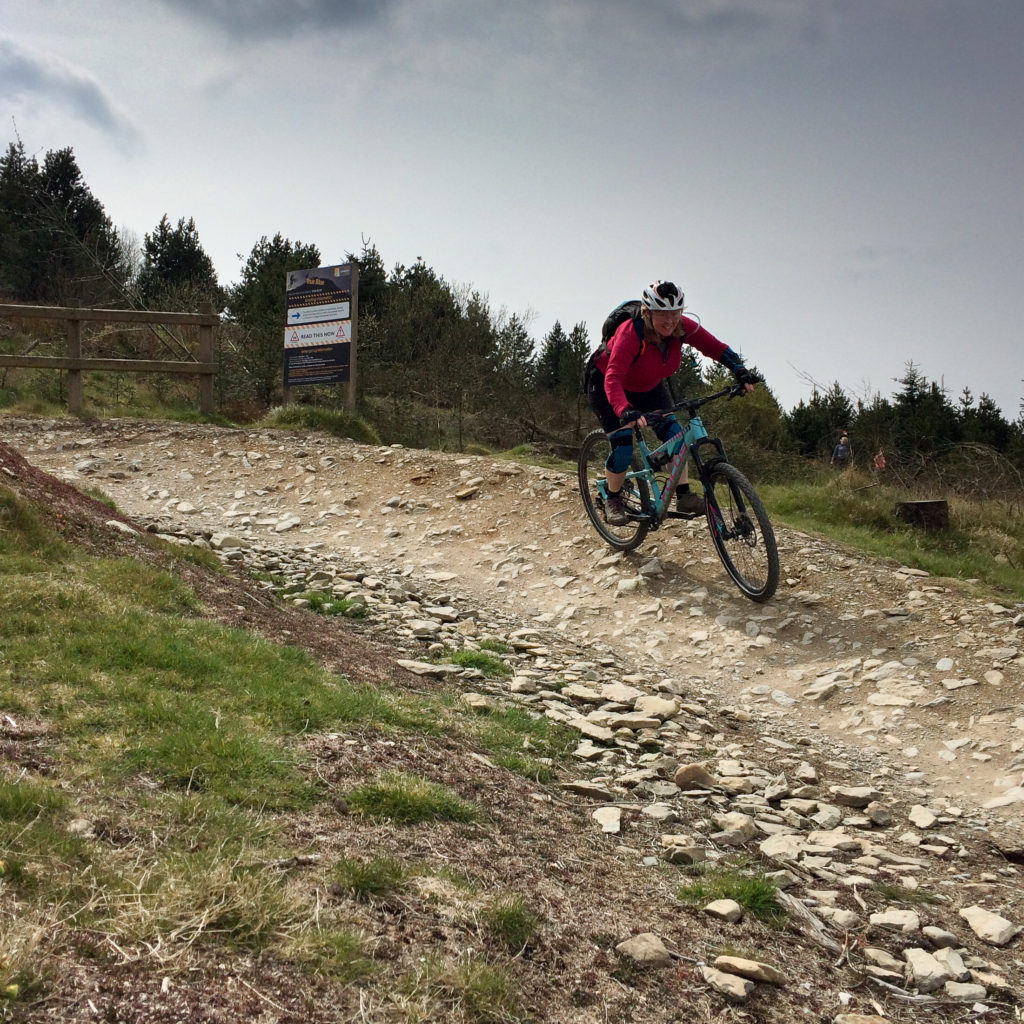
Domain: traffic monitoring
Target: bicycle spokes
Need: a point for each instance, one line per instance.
(592, 482)
(741, 532)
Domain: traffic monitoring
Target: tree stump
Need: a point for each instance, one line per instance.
(929, 515)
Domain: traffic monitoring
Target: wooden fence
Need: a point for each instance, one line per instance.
(205, 367)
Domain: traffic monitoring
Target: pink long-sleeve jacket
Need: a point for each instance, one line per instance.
(625, 371)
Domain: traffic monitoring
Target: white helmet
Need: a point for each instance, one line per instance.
(663, 295)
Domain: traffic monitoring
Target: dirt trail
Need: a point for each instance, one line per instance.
(919, 673)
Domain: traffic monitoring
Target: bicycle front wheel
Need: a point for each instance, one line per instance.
(741, 531)
(594, 454)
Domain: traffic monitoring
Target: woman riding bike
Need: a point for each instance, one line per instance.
(627, 379)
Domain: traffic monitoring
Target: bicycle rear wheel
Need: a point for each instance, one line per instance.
(594, 453)
(744, 538)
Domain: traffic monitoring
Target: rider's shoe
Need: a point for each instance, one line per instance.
(615, 513)
(689, 503)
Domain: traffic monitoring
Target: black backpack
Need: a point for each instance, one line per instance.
(629, 310)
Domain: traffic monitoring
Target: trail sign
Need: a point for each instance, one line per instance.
(320, 327)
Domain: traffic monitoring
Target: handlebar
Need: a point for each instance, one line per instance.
(691, 405)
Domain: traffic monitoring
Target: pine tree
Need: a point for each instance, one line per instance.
(258, 305)
(176, 272)
(58, 245)
(553, 359)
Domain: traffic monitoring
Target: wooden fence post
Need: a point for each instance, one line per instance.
(354, 314)
(75, 402)
(206, 404)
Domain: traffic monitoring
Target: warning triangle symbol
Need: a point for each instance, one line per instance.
(295, 335)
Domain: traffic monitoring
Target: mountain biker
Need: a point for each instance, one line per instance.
(628, 379)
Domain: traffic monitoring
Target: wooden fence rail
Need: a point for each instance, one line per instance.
(205, 367)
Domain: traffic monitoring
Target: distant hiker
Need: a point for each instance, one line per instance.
(879, 460)
(626, 378)
(841, 453)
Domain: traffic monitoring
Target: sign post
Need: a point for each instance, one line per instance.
(320, 328)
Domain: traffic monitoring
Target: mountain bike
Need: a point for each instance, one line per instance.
(739, 525)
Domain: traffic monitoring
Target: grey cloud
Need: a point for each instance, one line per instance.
(705, 19)
(712, 17)
(26, 75)
(264, 19)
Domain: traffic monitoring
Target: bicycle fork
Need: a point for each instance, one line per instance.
(741, 525)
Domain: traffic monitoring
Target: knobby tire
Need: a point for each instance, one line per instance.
(593, 454)
(750, 556)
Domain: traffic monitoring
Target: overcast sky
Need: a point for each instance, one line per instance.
(836, 184)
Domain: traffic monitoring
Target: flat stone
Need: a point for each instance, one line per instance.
(584, 787)
(958, 684)
(734, 821)
(781, 847)
(827, 816)
(585, 694)
(620, 693)
(835, 839)
(989, 927)
(591, 729)
(647, 949)
(752, 969)
(922, 817)
(926, 973)
(990, 980)
(725, 910)
(889, 700)
(683, 852)
(609, 818)
(953, 963)
(694, 776)
(659, 812)
(878, 814)
(940, 938)
(905, 921)
(661, 708)
(1014, 795)
(854, 796)
(427, 668)
(964, 990)
(733, 988)
(846, 920)
(633, 720)
(893, 977)
(736, 784)
(883, 958)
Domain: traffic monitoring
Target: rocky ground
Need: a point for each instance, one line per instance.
(865, 727)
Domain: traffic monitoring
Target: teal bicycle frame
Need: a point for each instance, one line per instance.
(672, 454)
(740, 528)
